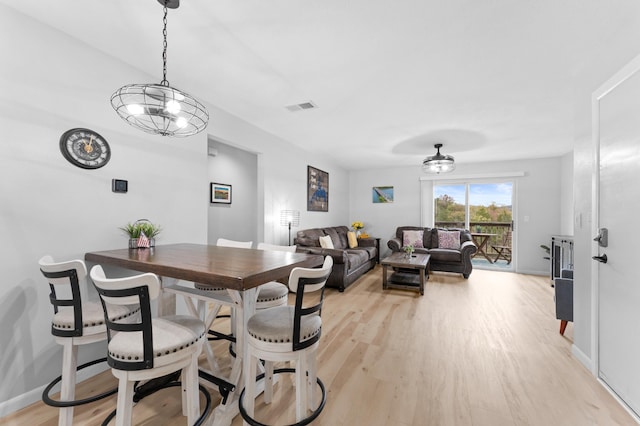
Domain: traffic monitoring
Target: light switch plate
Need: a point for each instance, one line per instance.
(119, 185)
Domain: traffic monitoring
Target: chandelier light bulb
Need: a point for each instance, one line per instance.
(135, 109)
(173, 107)
(181, 122)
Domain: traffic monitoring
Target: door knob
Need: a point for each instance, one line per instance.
(601, 259)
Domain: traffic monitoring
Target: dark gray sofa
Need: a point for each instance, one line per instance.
(444, 260)
(348, 263)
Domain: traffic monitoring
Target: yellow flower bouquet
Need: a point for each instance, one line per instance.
(357, 225)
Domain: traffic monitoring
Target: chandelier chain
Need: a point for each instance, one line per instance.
(164, 81)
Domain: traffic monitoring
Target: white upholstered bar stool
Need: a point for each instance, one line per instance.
(149, 348)
(273, 293)
(75, 323)
(289, 333)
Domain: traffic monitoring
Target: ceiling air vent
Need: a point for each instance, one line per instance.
(301, 106)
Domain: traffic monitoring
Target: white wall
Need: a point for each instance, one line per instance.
(282, 179)
(238, 220)
(566, 194)
(538, 197)
(50, 83)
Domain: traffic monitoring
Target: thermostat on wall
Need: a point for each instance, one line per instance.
(119, 185)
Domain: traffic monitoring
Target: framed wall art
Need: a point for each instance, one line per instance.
(382, 194)
(220, 193)
(317, 190)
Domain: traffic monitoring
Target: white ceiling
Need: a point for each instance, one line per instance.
(490, 79)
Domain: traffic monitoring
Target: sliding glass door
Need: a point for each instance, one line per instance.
(486, 209)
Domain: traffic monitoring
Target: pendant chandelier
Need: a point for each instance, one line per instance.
(160, 109)
(438, 163)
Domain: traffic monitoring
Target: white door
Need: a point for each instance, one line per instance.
(617, 114)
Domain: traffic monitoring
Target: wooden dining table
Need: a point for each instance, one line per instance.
(237, 269)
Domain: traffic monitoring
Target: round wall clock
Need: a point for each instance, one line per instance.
(85, 148)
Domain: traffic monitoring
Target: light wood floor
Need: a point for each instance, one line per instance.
(483, 351)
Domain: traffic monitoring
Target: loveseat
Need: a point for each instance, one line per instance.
(348, 263)
(451, 250)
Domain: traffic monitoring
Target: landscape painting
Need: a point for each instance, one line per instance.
(382, 194)
(220, 193)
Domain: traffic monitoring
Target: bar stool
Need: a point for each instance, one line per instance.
(151, 347)
(74, 323)
(289, 333)
(273, 293)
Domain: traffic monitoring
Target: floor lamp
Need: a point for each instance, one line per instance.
(289, 218)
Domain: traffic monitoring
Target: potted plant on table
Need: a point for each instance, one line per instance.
(408, 250)
(141, 228)
(357, 226)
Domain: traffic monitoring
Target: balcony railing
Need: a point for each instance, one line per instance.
(497, 228)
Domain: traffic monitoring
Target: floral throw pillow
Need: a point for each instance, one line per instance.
(412, 238)
(449, 240)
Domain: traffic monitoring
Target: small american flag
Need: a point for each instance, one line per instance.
(143, 241)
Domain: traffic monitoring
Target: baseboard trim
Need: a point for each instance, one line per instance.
(21, 401)
(583, 358)
(533, 272)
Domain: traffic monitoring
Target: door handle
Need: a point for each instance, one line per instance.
(601, 259)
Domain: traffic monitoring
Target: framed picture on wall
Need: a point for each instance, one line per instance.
(220, 193)
(317, 190)
(382, 194)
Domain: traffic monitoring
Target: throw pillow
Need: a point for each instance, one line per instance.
(413, 238)
(325, 242)
(449, 239)
(353, 241)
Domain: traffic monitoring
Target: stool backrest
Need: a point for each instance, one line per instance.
(137, 290)
(304, 282)
(65, 277)
(230, 243)
(274, 247)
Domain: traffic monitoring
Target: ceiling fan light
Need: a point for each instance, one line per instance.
(438, 163)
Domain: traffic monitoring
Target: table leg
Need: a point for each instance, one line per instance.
(482, 248)
(423, 273)
(245, 308)
(384, 277)
(166, 300)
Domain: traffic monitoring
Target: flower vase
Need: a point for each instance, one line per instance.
(133, 243)
(358, 232)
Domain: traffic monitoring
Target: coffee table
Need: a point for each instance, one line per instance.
(411, 273)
